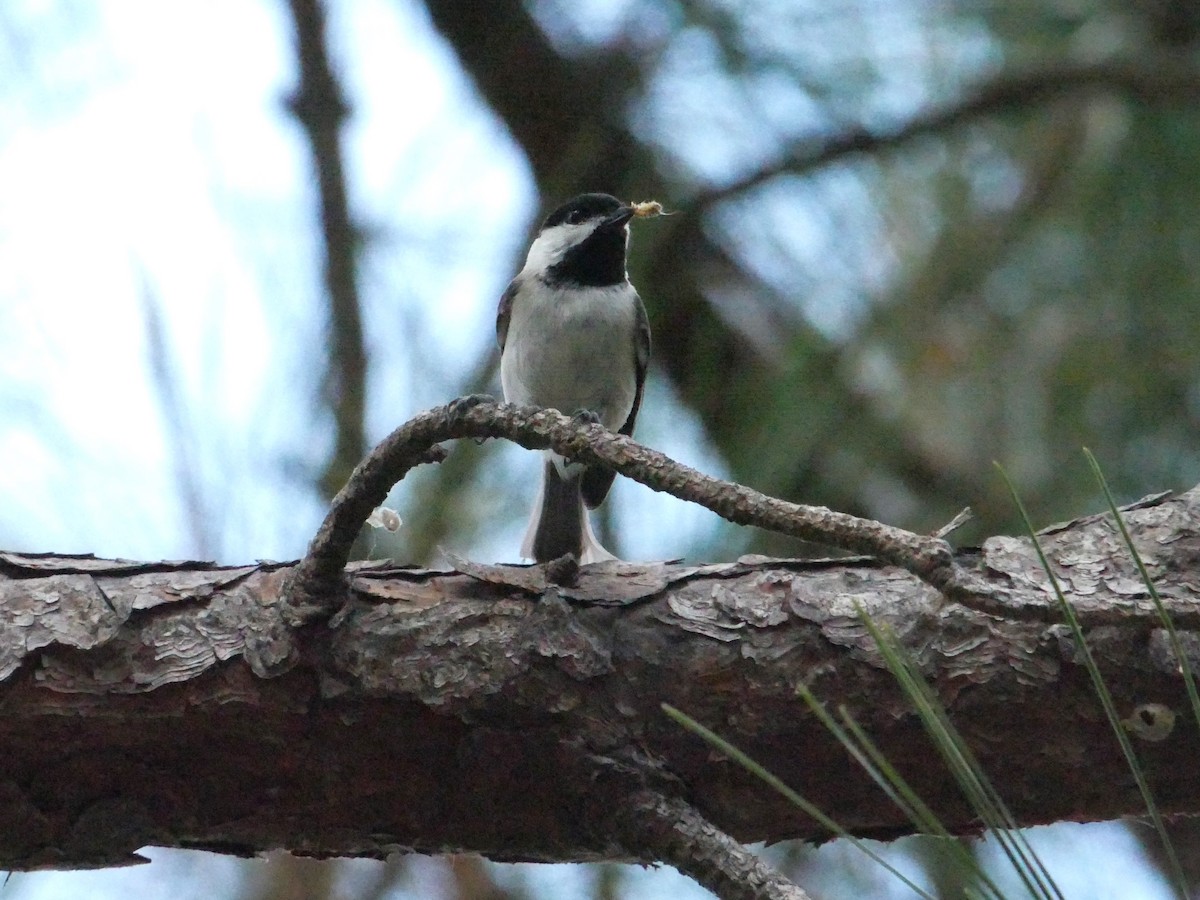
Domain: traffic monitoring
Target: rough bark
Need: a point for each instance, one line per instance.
(185, 704)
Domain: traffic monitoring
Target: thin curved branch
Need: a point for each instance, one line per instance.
(318, 577)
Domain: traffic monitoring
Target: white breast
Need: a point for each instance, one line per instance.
(573, 349)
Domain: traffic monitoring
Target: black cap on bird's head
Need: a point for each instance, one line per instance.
(590, 207)
(583, 242)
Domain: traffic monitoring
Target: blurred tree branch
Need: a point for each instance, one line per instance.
(1158, 78)
(566, 114)
(321, 109)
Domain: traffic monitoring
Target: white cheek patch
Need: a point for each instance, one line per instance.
(552, 245)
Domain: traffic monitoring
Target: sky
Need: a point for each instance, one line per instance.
(149, 174)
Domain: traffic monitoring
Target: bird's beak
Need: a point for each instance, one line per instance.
(620, 217)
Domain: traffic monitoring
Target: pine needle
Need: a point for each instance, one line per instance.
(1103, 693)
(743, 760)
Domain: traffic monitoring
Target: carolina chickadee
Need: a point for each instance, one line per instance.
(574, 337)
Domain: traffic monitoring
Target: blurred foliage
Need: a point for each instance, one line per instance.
(871, 332)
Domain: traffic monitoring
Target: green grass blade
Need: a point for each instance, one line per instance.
(743, 760)
(1102, 691)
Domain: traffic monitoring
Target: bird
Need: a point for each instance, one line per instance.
(574, 337)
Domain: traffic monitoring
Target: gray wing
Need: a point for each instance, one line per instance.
(642, 357)
(504, 313)
(596, 482)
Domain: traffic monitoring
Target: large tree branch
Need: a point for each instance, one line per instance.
(185, 704)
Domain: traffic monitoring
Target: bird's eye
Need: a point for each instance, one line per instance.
(574, 217)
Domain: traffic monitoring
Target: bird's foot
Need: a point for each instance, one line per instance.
(462, 405)
(585, 417)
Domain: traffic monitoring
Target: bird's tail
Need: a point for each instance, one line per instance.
(559, 524)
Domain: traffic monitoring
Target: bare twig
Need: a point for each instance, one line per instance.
(676, 833)
(317, 578)
(964, 516)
